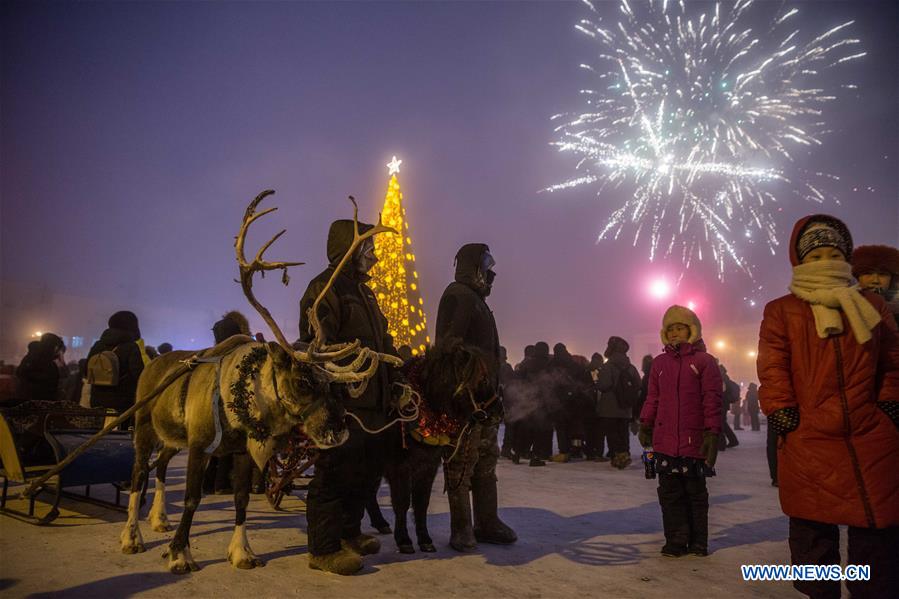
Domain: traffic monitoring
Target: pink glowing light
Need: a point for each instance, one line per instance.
(659, 289)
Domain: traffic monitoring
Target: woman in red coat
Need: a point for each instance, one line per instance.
(828, 363)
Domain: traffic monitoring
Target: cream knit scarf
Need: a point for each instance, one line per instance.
(827, 286)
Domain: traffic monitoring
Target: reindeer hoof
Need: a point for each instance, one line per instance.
(404, 548)
(183, 566)
(159, 521)
(132, 548)
(180, 562)
(427, 547)
(249, 563)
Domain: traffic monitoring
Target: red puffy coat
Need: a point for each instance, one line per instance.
(683, 400)
(840, 465)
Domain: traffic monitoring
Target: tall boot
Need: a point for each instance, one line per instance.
(461, 534)
(675, 517)
(698, 495)
(488, 528)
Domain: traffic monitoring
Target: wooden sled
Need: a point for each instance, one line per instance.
(36, 436)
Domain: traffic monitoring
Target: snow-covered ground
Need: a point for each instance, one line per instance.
(584, 530)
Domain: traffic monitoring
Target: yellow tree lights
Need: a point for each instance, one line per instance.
(394, 278)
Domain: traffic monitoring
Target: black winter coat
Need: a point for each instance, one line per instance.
(350, 311)
(37, 379)
(131, 364)
(463, 315)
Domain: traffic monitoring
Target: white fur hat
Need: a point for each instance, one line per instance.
(681, 315)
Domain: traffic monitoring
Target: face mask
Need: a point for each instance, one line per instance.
(487, 261)
(365, 257)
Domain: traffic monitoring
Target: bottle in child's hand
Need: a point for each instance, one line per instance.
(649, 462)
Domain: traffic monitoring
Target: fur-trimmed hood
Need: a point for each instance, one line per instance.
(874, 258)
(681, 315)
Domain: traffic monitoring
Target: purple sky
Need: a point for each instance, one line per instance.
(134, 134)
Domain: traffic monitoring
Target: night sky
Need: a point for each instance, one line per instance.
(134, 134)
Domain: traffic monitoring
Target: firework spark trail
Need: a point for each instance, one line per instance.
(697, 117)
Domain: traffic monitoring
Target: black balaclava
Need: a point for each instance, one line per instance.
(474, 267)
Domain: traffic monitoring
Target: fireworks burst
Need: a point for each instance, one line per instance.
(695, 115)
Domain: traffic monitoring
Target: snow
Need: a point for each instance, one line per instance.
(584, 529)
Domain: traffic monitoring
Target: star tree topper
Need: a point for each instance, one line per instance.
(393, 166)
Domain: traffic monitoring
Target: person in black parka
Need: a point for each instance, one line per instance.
(463, 317)
(38, 375)
(121, 337)
(347, 476)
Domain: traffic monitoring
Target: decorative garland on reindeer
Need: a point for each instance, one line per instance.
(242, 395)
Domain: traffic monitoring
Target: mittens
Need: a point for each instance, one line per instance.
(645, 435)
(891, 409)
(784, 421)
(709, 448)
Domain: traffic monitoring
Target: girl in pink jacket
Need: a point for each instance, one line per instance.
(681, 421)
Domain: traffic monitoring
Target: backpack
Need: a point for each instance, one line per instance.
(731, 394)
(627, 390)
(103, 369)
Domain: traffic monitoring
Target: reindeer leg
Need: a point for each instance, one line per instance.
(426, 472)
(239, 553)
(178, 553)
(399, 480)
(159, 521)
(144, 440)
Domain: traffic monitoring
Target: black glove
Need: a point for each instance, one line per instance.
(891, 409)
(785, 420)
(645, 435)
(709, 448)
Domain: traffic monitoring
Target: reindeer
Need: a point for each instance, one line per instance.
(454, 386)
(241, 397)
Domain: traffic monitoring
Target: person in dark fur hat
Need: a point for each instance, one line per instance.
(217, 478)
(613, 408)
(877, 269)
(232, 323)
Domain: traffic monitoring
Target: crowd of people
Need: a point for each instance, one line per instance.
(590, 407)
(828, 370)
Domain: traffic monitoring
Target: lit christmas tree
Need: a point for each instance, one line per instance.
(394, 278)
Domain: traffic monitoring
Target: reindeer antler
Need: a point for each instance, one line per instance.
(325, 356)
(248, 269)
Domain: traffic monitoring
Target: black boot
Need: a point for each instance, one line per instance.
(698, 496)
(461, 533)
(488, 528)
(675, 514)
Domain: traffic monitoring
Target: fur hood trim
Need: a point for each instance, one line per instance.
(681, 315)
(870, 258)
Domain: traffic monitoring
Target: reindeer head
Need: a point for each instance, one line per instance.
(310, 382)
(456, 380)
